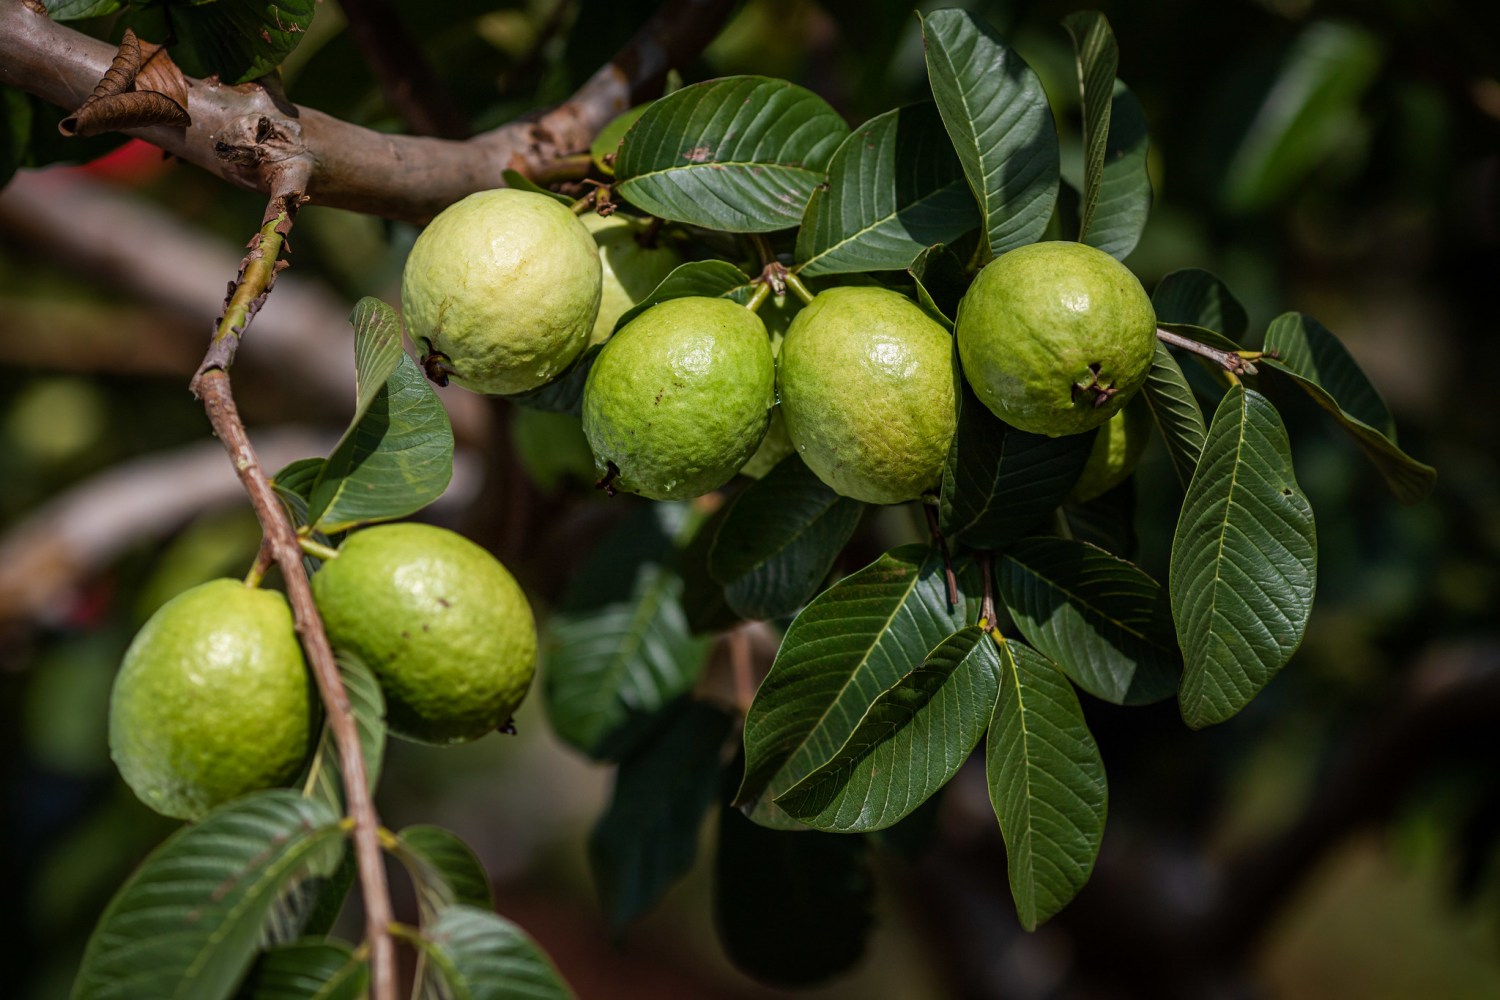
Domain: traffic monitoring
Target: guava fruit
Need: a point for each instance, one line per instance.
(1117, 448)
(501, 291)
(551, 448)
(440, 622)
(867, 387)
(630, 271)
(679, 399)
(1056, 337)
(213, 700)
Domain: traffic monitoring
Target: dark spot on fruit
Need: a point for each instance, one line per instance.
(426, 627)
(443, 602)
(405, 634)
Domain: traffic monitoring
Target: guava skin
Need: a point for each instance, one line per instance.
(1055, 338)
(630, 271)
(679, 399)
(442, 624)
(213, 700)
(1116, 451)
(505, 285)
(866, 382)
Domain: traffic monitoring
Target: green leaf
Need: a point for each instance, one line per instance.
(519, 181)
(377, 353)
(1197, 298)
(620, 651)
(15, 131)
(779, 540)
(854, 641)
(243, 39)
(647, 838)
(1106, 521)
(443, 869)
(606, 145)
(294, 485)
(1313, 358)
(999, 483)
(913, 738)
(396, 460)
(1100, 618)
(715, 279)
(186, 923)
(941, 281)
(312, 969)
(1176, 410)
(742, 154)
(1098, 60)
(477, 955)
(894, 188)
(1244, 561)
(1046, 783)
(563, 394)
(997, 115)
(792, 908)
(77, 10)
(324, 781)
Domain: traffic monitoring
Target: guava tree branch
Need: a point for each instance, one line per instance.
(249, 134)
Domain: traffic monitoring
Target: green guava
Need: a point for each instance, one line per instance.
(443, 625)
(867, 386)
(1117, 448)
(679, 399)
(213, 700)
(501, 291)
(631, 271)
(1056, 337)
(551, 448)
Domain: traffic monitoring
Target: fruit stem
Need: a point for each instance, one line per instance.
(1235, 363)
(317, 549)
(607, 484)
(942, 543)
(762, 248)
(798, 288)
(758, 297)
(987, 603)
(263, 560)
(583, 205)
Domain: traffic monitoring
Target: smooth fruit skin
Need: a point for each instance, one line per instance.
(213, 700)
(439, 620)
(679, 399)
(1117, 448)
(631, 271)
(505, 285)
(1048, 329)
(867, 386)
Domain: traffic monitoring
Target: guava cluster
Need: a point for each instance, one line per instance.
(507, 289)
(214, 699)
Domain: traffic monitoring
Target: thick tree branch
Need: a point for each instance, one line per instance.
(407, 81)
(248, 135)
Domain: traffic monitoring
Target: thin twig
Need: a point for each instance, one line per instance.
(937, 536)
(1231, 362)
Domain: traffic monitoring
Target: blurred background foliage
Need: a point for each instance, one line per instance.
(1341, 158)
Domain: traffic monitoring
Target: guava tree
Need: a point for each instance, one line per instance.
(950, 214)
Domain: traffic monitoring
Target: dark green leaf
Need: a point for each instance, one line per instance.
(854, 641)
(1314, 359)
(1098, 59)
(997, 115)
(476, 955)
(941, 282)
(519, 181)
(324, 777)
(294, 485)
(792, 908)
(999, 483)
(308, 970)
(1197, 298)
(715, 279)
(894, 188)
(913, 738)
(1125, 190)
(396, 460)
(779, 540)
(1107, 521)
(185, 926)
(1244, 561)
(742, 154)
(563, 394)
(15, 131)
(443, 869)
(243, 39)
(1046, 783)
(77, 10)
(647, 838)
(1100, 618)
(1176, 410)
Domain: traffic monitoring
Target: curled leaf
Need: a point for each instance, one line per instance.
(141, 87)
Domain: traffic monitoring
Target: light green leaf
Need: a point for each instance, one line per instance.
(443, 869)
(1244, 561)
(854, 641)
(997, 115)
(894, 188)
(606, 145)
(1046, 783)
(1197, 298)
(779, 540)
(186, 924)
(377, 352)
(741, 153)
(475, 955)
(311, 969)
(1313, 358)
(76, 10)
(1100, 618)
(324, 780)
(1176, 410)
(913, 738)
(715, 279)
(519, 181)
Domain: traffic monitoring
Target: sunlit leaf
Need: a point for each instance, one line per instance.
(473, 954)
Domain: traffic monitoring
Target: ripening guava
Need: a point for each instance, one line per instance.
(1117, 448)
(867, 386)
(1056, 337)
(441, 623)
(501, 291)
(631, 271)
(213, 700)
(679, 399)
